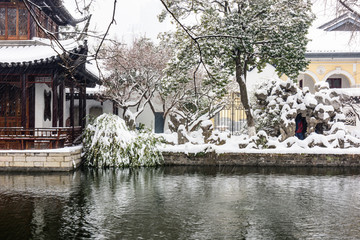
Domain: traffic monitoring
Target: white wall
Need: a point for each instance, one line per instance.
(146, 118)
(40, 105)
(256, 79)
(107, 107)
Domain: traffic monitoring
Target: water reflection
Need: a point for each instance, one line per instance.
(182, 203)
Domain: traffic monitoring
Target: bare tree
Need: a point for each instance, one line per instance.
(134, 75)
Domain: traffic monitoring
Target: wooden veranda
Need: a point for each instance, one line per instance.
(19, 138)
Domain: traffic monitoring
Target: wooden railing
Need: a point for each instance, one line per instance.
(38, 138)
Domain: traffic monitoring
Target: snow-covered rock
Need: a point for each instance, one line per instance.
(285, 101)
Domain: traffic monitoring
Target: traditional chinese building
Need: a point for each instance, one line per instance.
(36, 71)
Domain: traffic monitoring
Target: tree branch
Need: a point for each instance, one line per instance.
(103, 39)
(344, 4)
(187, 31)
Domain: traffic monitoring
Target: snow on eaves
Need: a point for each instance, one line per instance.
(329, 41)
(39, 51)
(92, 68)
(26, 51)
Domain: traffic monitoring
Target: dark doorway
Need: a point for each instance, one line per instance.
(31, 106)
(159, 122)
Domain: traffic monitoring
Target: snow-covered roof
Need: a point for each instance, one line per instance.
(40, 51)
(91, 67)
(33, 51)
(326, 33)
(98, 89)
(331, 42)
(345, 22)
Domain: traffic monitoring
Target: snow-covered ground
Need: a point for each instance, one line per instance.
(232, 146)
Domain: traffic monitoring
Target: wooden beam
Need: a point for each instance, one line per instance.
(23, 100)
(31, 105)
(55, 100)
(61, 104)
(84, 106)
(81, 112)
(72, 118)
(72, 101)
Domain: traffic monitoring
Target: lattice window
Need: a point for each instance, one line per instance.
(14, 21)
(350, 118)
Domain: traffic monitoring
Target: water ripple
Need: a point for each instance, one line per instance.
(182, 203)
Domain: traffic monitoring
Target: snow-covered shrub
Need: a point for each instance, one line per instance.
(109, 143)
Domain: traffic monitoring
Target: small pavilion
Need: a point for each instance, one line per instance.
(36, 71)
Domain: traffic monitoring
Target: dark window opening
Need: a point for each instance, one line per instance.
(10, 106)
(334, 82)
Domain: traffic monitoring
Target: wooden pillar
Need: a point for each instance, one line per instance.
(23, 100)
(61, 104)
(55, 101)
(80, 106)
(84, 107)
(72, 118)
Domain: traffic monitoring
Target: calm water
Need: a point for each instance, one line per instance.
(182, 203)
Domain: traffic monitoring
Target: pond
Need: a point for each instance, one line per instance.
(182, 203)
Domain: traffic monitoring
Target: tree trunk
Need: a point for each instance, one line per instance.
(240, 75)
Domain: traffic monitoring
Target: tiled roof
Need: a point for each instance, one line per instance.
(40, 52)
(33, 51)
(344, 22)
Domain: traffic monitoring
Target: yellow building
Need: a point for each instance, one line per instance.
(334, 54)
(340, 70)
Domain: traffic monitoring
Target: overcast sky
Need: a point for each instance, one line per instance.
(134, 18)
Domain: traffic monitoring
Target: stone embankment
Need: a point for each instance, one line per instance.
(263, 159)
(69, 159)
(65, 159)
